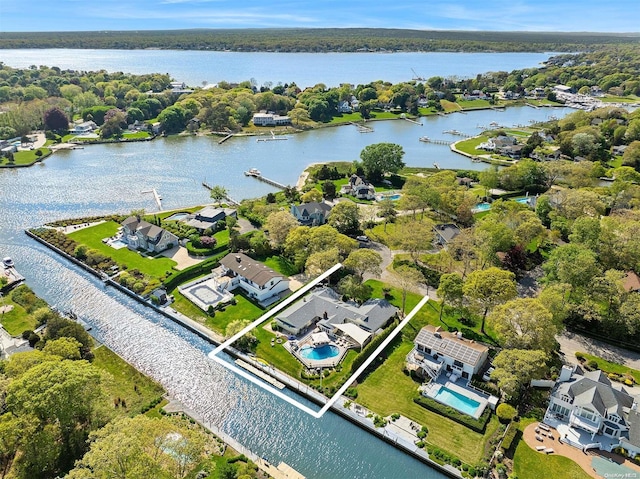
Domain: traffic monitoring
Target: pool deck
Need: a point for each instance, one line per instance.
(433, 388)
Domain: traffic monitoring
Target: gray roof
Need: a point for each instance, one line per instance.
(447, 231)
(325, 304)
(151, 232)
(307, 209)
(634, 428)
(593, 389)
(249, 268)
(448, 344)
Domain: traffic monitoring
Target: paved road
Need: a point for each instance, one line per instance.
(571, 342)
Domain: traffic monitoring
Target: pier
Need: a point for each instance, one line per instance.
(225, 138)
(362, 128)
(230, 200)
(426, 139)
(156, 197)
(457, 133)
(273, 137)
(412, 121)
(256, 372)
(258, 176)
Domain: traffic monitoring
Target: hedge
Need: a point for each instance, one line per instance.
(193, 271)
(510, 439)
(206, 251)
(477, 425)
(371, 347)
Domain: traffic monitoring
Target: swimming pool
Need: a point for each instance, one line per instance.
(392, 197)
(524, 201)
(177, 216)
(457, 401)
(482, 207)
(325, 351)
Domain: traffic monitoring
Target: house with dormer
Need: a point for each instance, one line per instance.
(312, 213)
(359, 188)
(142, 235)
(260, 282)
(588, 401)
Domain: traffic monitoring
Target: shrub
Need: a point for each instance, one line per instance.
(477, 425)
(592, 364)
(379, 421)
(351, 393)
(510, 440)
(579, 356)
(505, 412)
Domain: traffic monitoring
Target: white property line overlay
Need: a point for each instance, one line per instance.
(267, 387)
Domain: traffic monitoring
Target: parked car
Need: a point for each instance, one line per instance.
(363, 239)
(486, 377)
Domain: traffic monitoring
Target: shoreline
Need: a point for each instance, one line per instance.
(291, 383)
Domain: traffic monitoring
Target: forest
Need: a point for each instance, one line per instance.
(319, 40)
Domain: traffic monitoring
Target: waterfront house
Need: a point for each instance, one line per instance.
(445, 233)
(270, 119)
(208, 217)
(359, 188)
(83, 128)
(259, 281)
(588, 401)
(344, 107)
(140, 234)
(311, 214)
(436, 351)
(325, 310)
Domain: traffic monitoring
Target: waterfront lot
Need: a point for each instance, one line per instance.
(93, 236)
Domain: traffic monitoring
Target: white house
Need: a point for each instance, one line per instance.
(83, 128)
(259, 281)
(312, 213)
(359, 188)
(140, 234)
(270, 119)
(436, 350)
(344, 107)
(588, 401)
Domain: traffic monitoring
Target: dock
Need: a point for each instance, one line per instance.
(225, 138)
(457, 133)
(13, 277)
(258, 176)
(426, 139)
(257, 372)
(273, 137)
(156, 197)
(230, 200)
(412, 121)
(362, 128)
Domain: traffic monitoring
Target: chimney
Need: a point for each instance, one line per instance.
(238, 258)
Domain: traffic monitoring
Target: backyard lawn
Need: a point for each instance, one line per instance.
(93, 236)
(129, 384)
(244, 310)
(27, 157)
(17, 320)
(530, 464)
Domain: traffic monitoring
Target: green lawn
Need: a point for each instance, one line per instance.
(281, 265)
(186, 307)
(17, 320)
(93, 236)
(470, 146)
(26, 157)
(128, 383)
(530, 464)
(473, 104)
(609, 367)
(244, 310)
(135, 135)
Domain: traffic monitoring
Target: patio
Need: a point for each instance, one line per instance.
(452, 383)
(206, 292)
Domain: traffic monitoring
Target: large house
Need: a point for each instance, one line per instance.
(359, 188)
(588, 401)
(83, 128)
(208, 217)
(324, 309)
(270, 119)
(445, 233)
(311, 214)
(259, 281)
(436, 350)
(140, 234)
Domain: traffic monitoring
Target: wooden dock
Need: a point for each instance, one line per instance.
(230, 200)
(362, 128)
(268, 181)
(156, 197)
(225, 138)
(261, 374)
(412, 121)
(425, 139)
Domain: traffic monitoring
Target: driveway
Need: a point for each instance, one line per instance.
(181, 256)
(572, 342)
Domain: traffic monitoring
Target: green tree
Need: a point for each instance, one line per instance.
(313, 195)
(320, 261)
(353, 287)
(329, 189)
(362, 261)
(515, 368)
(279, 224)
(450, 290)
(524, 323)
(246, 342)
(387, 210)
(572, 264)
(488, 288)
(381, 158)
(66, 348)
(345, 217)
(218, 193)
(408, 279)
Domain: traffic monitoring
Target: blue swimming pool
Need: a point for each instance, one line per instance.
(392, 197)
(457, 401)
(482, 207)
(177, 216)
(325, 351)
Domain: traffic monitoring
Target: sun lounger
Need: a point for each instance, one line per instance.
(540, 448)
(538, 437)
(549, 451)
(544, 427)
(537, 430)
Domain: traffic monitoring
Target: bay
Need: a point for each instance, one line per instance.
(305, 69)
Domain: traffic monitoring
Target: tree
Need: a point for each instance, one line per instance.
(515, 368)
(487, 288)
(329, 189)
(573, 264)
(66, 348)
(279, 225)
(381, 158)
(353, 287)
(114, 121)
(218, 193)
(415, 237)
(141, 448)
(320, 261)
(55, 119)
(345, 218)
(363, 261)
(408, 279)
(524, 323)
(450, 290)
(387, 210)
(244, 343)
(311, 196)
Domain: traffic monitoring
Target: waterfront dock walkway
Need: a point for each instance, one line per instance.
(256, 372)
(227, 197)
(266, 180)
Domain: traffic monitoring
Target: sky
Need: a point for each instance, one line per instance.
(495, 15)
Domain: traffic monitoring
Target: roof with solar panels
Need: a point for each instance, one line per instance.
(451, 344)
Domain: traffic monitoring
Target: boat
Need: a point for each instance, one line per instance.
(8, 262)
(436, 166)
(425, 139)
(253, 172)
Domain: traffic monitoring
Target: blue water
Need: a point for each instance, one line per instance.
(457, 401)
(482, 207)
(320, 352)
